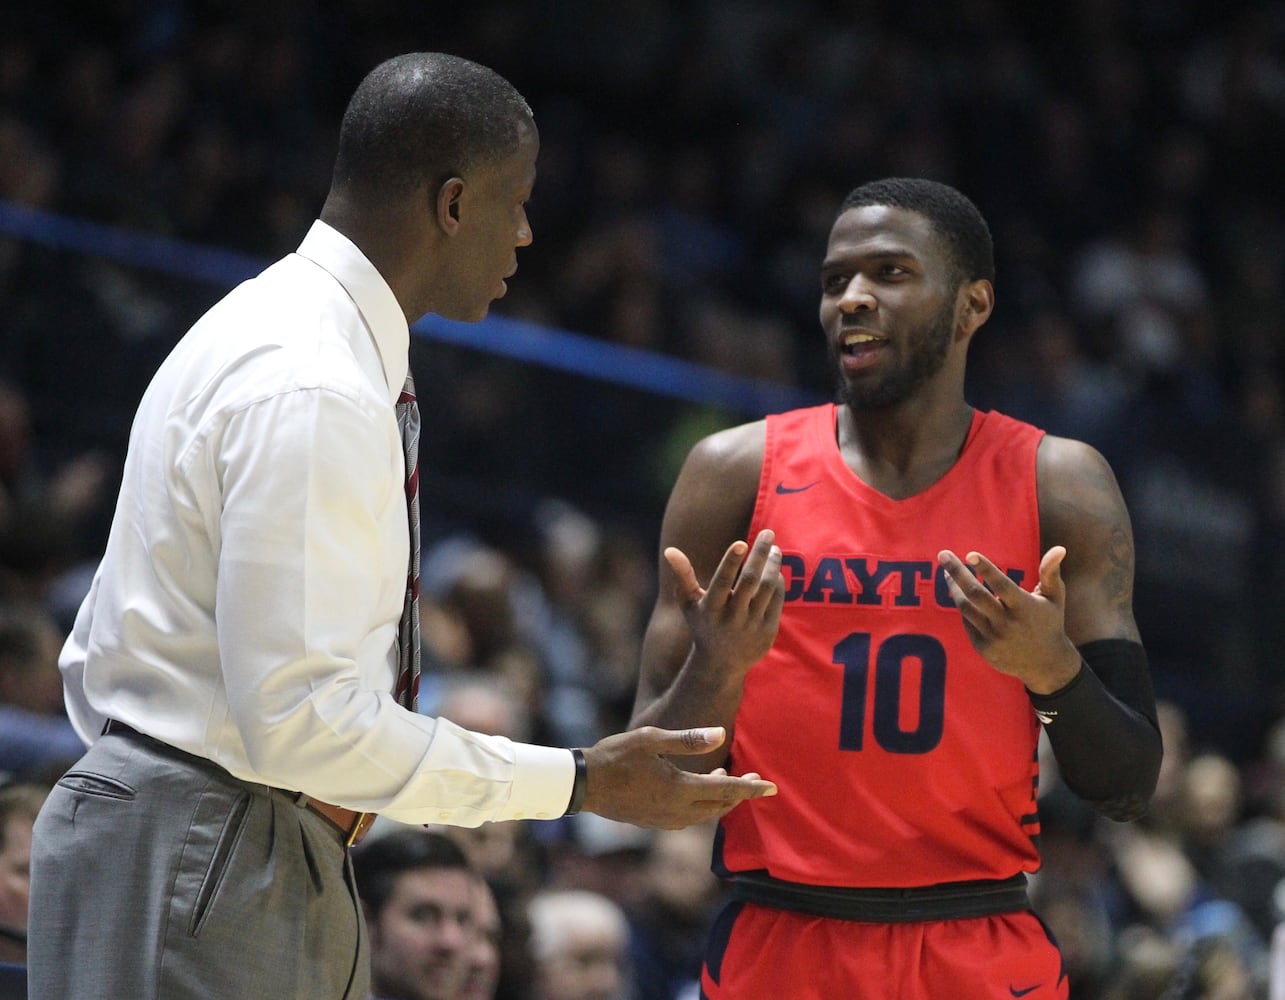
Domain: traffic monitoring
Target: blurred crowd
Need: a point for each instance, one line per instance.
(693, 154)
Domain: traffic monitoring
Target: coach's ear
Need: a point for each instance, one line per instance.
(974, 303)
(448, 204)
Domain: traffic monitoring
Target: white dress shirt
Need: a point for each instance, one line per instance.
(247, 603)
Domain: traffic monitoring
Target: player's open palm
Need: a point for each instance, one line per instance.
(1019, 632)
(734, 622)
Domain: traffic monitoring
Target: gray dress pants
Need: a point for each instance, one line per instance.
(156, 875)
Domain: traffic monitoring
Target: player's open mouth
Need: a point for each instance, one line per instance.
(860, 340)
(860, 348)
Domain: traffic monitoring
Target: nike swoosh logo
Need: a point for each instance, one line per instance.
(1021, 993)
(782, 488)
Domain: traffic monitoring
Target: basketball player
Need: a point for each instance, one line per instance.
(954, 581)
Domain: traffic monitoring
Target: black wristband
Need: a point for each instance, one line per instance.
(1047, 705)
(580, 785)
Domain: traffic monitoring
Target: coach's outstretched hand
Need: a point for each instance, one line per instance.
(630, 780)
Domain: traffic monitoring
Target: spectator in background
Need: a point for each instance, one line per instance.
(37, 741)
(44, 512)
(433, 924)
(483, 963)
(19, 805)
(468, 607)
(600, 855)
(671, 915)
(509, 855)
(580, 942)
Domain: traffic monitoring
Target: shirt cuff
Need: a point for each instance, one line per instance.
(542, 780)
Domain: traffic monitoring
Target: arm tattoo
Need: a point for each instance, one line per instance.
(1097, 507)
(1118, 580)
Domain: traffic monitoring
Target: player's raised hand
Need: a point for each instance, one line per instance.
(733, 622)
(629, 779)
(1019, 632)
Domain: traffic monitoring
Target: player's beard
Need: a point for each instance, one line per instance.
(921, 356)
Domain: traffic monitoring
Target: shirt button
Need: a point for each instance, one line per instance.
(443, 815)
(542, 815)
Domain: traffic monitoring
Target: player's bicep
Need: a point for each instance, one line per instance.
(712, 500)
(1081, 508)
(709, 508)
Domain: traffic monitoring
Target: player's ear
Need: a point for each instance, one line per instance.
(448, 204)
(973, 306)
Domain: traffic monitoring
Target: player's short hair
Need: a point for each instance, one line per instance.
(954, 217)
(378, 862)
(422, 117)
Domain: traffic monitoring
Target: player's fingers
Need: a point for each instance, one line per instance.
(689, 587)
(729, 567)
(754, 567)
(1051, 583)
(777, 602)
(977, 605)
(769, 583)
(997, 581)
(961, 581)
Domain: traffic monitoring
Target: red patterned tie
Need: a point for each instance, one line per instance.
(407, 689)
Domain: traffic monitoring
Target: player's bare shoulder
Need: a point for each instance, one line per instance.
(731, 458)
(1075, 482)
(713, 497)
(1082, 508)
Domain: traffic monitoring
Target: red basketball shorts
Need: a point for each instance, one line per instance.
(759, 953)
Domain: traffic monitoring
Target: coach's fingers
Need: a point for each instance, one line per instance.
(685, 742)
(725, 790)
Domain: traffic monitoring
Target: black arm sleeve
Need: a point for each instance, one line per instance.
(1103, 729)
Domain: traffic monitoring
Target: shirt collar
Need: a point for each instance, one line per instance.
(331, 250)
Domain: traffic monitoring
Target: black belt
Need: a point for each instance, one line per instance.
(351, 824)
(947, 901)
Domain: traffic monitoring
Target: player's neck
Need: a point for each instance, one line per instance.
(902, 450)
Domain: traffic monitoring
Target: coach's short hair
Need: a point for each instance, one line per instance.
(423, 117)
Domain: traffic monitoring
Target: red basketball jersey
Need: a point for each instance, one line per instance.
(902, 757)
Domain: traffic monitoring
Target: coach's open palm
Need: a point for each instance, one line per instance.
(630, 780)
